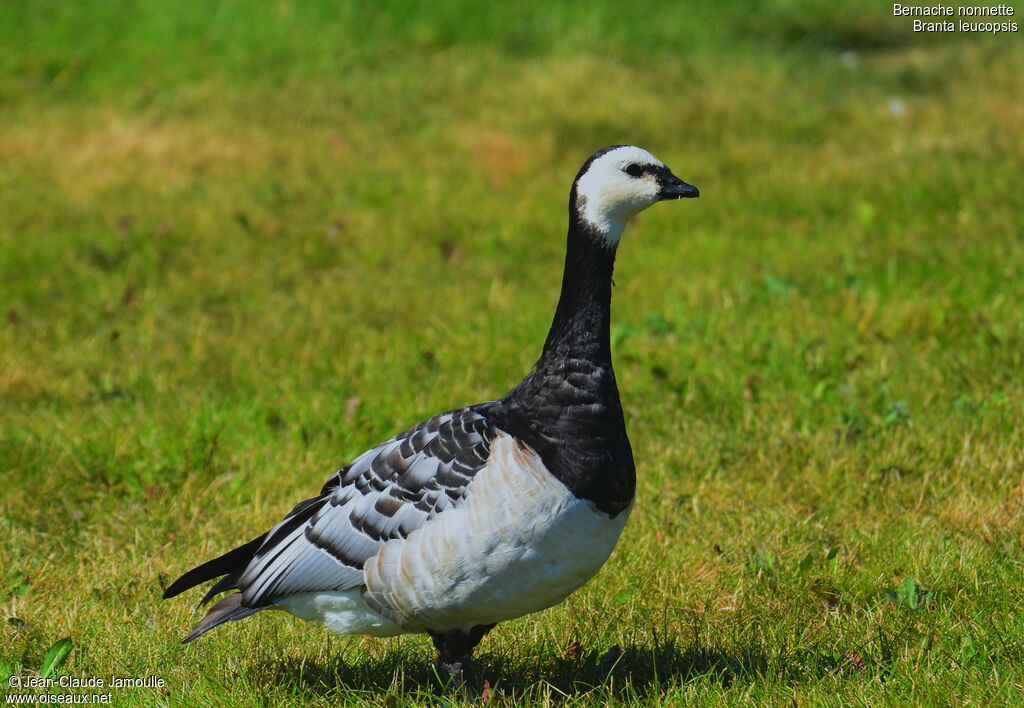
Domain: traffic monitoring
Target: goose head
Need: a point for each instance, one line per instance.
(618, 182)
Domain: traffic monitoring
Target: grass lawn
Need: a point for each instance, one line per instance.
(242, 242)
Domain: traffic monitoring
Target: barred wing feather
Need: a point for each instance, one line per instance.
(385, 493)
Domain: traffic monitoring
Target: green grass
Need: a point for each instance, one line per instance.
(240, 244)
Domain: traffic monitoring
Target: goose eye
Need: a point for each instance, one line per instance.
(633, 170)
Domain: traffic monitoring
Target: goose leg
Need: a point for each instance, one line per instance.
(454, 649)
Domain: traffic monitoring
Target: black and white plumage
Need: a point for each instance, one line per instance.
(480, 514)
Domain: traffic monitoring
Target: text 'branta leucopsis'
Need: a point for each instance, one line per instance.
(480, 514)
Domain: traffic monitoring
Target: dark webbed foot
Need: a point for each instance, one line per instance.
(455, 674)
(454, 649)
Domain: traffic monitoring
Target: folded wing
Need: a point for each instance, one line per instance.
(385, 493)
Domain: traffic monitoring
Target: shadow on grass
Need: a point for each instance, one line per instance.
(637, 672)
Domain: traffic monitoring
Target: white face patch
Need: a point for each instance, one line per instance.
(607, 197)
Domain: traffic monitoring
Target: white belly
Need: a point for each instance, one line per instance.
(519, 543)
(344, 612)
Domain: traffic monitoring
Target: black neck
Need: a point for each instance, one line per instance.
(580, 328)
(567, 409)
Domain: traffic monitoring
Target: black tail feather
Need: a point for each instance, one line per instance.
(228, 609)
(230, 564)
(228, 582)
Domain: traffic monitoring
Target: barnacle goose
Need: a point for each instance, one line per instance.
(481, 514)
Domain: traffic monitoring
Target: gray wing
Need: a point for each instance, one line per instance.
(387, 492)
